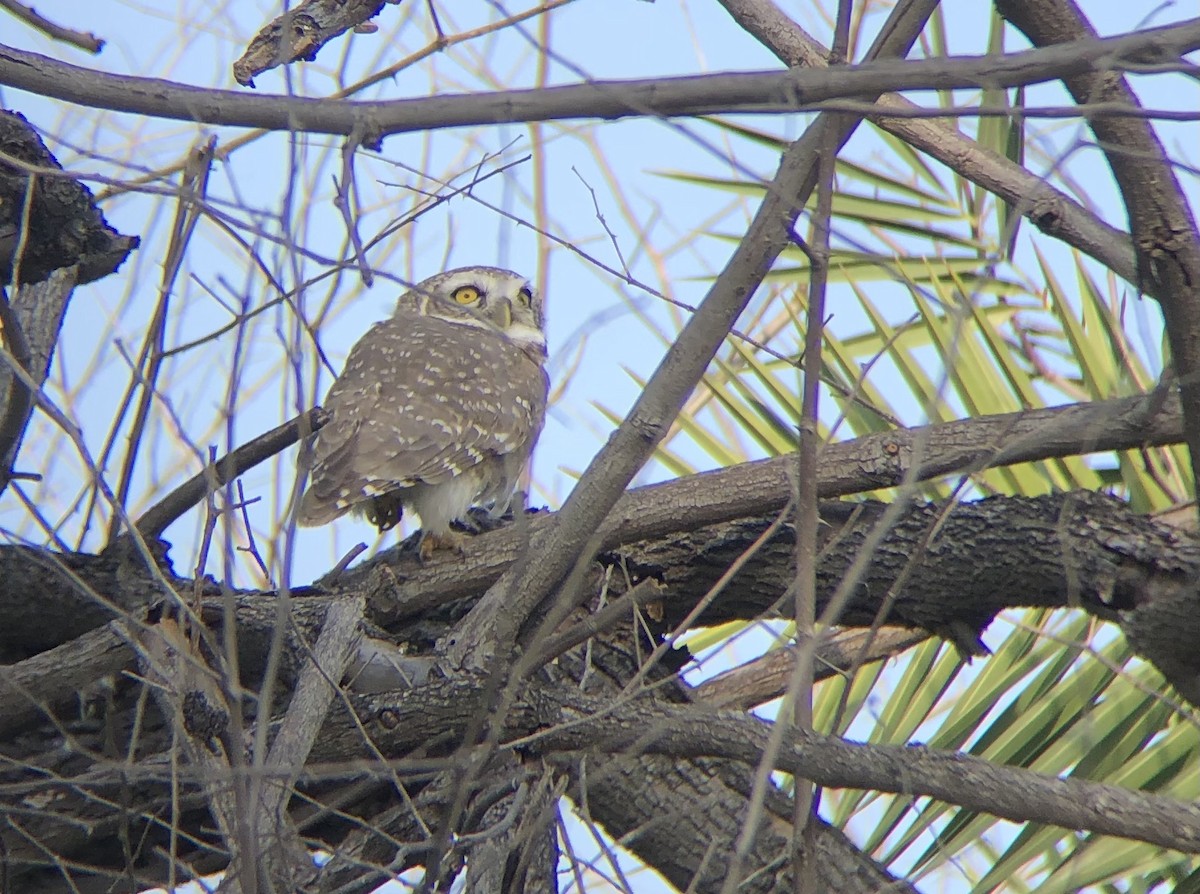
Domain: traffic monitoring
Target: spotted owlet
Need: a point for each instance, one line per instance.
(437, 408)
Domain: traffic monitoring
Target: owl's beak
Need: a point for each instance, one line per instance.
(506, 313)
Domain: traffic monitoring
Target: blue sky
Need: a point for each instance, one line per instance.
(596, 329)
(644, 210)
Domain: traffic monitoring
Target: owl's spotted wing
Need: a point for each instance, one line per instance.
(421, 400)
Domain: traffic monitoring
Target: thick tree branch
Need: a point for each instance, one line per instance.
(29, 689)
(849, 467)
(970, 782)
(1015, 552)
(1051, 211)
(1160, 220)
(545, 720)
(573, 539)
(81, 593)
(762, 92)
(988, 555)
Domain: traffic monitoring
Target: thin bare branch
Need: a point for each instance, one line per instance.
(570, 545)
(762, 679)
(1051, 211)
(85, 40)
(748, 92)
(192, 492)
(144, 380)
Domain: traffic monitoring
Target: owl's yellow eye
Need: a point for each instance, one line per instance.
(524, 297)
(465, 294)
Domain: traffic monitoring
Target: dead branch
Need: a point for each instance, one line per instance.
(300, 32)
(750, 92)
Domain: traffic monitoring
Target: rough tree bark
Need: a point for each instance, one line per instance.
(52, 238)
(958, 565)
(134, 755)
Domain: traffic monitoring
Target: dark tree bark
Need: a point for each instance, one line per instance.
(154, 728)
(52, 237)
(945, 569)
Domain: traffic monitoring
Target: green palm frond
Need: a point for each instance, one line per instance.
(939, 312)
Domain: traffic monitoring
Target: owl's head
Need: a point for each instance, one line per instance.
(484, 298)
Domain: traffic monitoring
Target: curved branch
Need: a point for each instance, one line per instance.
(1161, 223)
(192, 492)
(545, 720)
(970, 782)
(754, 92)
(565, 549)
(1051, 211)
(849, 467)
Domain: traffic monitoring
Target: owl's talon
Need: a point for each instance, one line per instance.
(449, 540)
(478, 520)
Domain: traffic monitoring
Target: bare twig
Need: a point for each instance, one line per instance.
(618, 610)
(330, 577)
(603, 223)
(191, 492)
(187, 213)
(82, 39)
(342, 200)
(762, 679)
(757, 92)
(251, 547)
(19, 400)
(804, 598)
(393, 227)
